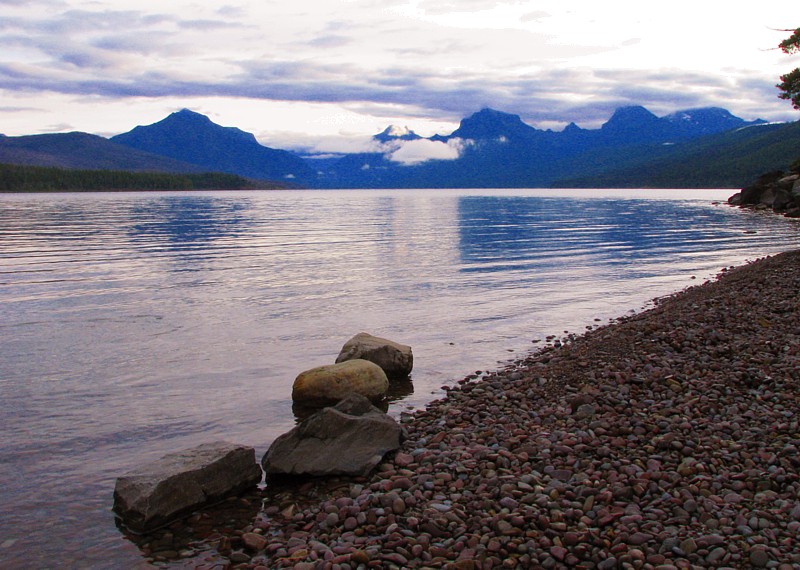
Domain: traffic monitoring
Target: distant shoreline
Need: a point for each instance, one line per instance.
(17, 179)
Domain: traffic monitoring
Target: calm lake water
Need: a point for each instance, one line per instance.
(137, 324)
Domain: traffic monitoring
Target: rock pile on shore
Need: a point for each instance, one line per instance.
(778, 191)
(668, 439)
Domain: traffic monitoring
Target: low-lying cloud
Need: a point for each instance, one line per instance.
(423, 150)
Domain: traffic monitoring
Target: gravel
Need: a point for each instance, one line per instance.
(666, 439)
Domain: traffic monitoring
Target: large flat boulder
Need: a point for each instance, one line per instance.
(394, 358)
(326, 385)
(350, 438)
(178, 483)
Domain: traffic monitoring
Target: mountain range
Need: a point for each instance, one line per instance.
(84, 151)
(490, 148)
(193, 138)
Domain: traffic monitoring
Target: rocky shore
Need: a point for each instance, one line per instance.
(778, 191)
(667, 439)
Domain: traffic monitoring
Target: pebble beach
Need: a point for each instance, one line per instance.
(665, 439)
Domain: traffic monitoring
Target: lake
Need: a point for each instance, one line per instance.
(137, 324)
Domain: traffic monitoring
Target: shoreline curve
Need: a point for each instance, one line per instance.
(666, 439)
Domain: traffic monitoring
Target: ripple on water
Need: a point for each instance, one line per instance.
(137, 324)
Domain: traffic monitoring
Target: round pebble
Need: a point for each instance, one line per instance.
(665, 439)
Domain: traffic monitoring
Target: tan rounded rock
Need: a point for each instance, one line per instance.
(325, 385)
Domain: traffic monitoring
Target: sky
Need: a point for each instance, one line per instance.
(326, 75)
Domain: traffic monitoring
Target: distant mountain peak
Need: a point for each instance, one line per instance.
(707, 120)
(188, 123)
(189, 115)
(494, 116)
(632, 111)
(626, 118)
(492, 124)
(700, 111)
(192, 137)
(489, 112)
(395, 132)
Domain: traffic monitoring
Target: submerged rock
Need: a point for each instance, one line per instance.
(158, 492)
(350, 438)
(686, 453)
(326, 385)
(395, 359)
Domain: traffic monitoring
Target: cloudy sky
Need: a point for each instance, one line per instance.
(328, 74)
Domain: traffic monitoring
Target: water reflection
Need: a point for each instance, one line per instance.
(400, 389)
(187, 223)
(203, 538)
(506, 233)
(111, 358)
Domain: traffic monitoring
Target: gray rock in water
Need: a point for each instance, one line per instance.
(158, 492)
(795, 192)
(788, 182)
(781, 201)
(350, 438)
(395, 359)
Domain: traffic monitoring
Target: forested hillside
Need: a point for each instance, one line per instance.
(16, 178)
(728, 160)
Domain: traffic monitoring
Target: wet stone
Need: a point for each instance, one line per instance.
(759, 557)
(686, 462)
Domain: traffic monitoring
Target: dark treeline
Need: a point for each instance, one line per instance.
(18, 178)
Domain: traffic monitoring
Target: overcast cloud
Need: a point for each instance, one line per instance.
(327, 74)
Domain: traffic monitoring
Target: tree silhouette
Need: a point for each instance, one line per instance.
(790, 83)
(23, 178)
